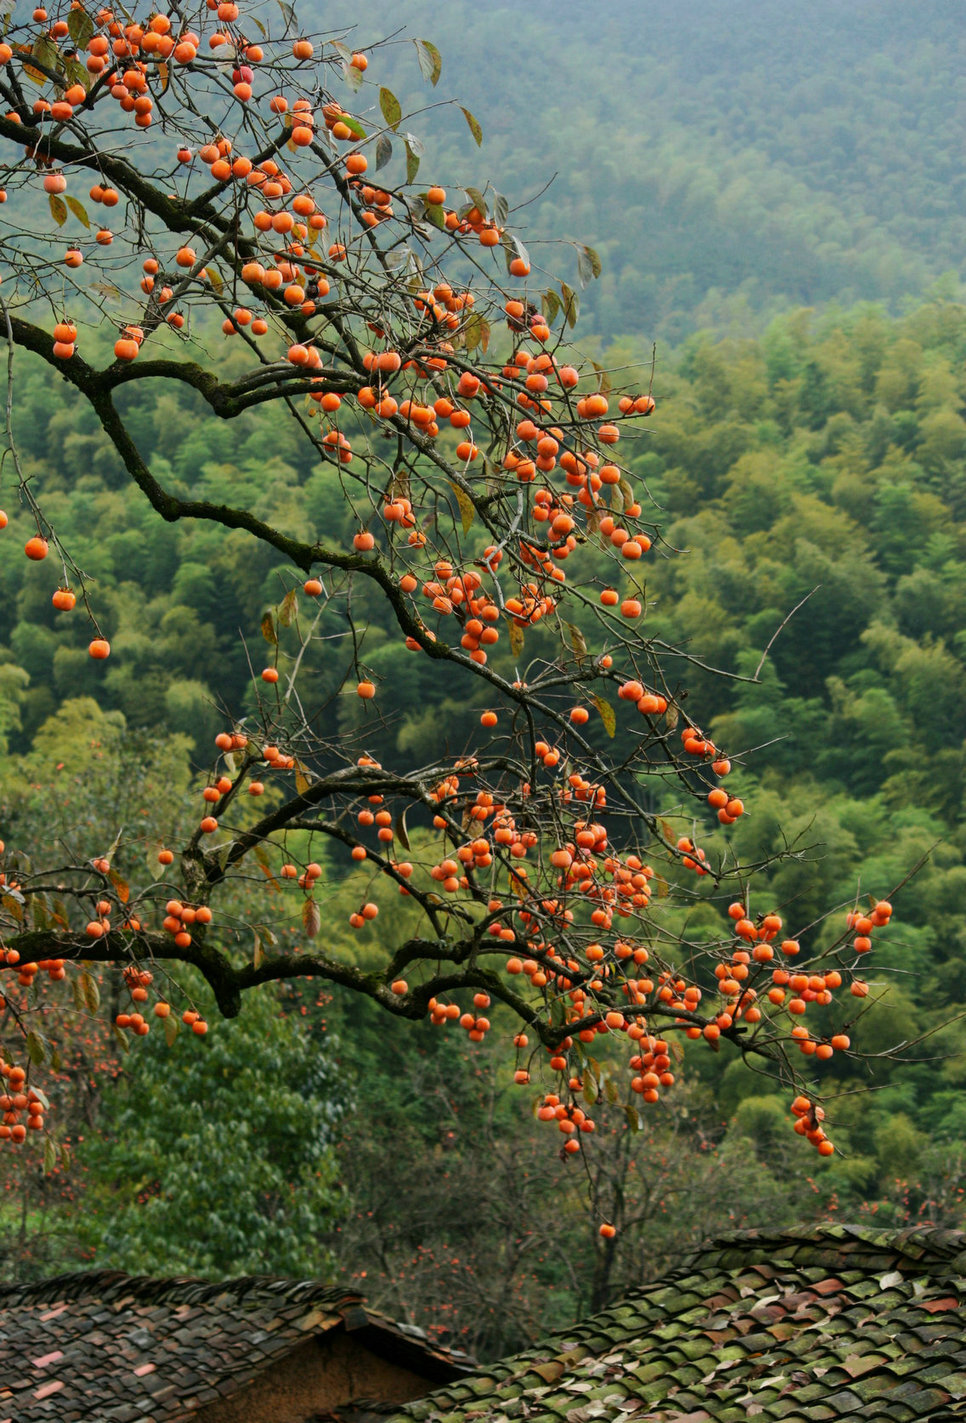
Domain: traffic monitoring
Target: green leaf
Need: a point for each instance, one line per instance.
(13, 904)
(550, 305)
(571, 304)
(77, 208)
(42, 1098)
(121, 1038)
(80, 27)
(383, 151)
(476, 333)
(58, 209)
(311, 918)
(75, 73)
(288, 608)
(435, 214)
(604, 386)
(268, 629)
(38, 911)
(287, 12)
(516, 638)
(353, 76)
(607, 714)
(476, 199)
(342, 50)
(588, 264)
(412, 163)
(474, 125)
(589, 1088)
(44, 52)
(50, 1155)
(633, 1117)
(90, 992)
(430, 60)
(391, 108)
(467, 508)
(36, 1048)
(400, 486)
(577, 642)
(501, 209)
(170, 1029)
(354, 126)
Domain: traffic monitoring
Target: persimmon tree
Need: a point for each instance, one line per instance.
(215, 175)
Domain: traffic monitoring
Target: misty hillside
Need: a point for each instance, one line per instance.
(728, 160)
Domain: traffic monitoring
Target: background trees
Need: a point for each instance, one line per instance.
(382, 490)
(721, 1143)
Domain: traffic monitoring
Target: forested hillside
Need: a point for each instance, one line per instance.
(728, 160)
(823, 462)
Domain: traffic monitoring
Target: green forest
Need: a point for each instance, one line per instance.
(779, 204)
(728, 161)
(824, 462)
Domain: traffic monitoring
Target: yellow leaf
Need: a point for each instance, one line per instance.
(467, 509)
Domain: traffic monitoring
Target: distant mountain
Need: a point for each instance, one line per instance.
(728, 160)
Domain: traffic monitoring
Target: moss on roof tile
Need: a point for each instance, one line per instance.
(836, 1323)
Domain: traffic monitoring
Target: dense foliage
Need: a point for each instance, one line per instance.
(825, 456)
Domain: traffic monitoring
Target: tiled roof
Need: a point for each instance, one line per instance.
(105, 1346)
(804, 1326)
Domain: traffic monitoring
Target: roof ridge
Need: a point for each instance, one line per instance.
(914, 1247)
(183, 1289)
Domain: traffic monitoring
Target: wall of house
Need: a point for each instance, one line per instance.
(316, 1376)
